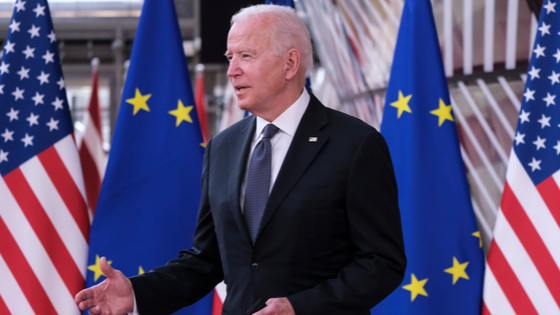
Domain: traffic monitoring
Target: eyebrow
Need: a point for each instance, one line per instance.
(242, 50)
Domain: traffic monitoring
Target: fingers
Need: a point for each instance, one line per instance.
(277, 306)
(94, 310)
(107, 270)
(85, 304)
(83, 295)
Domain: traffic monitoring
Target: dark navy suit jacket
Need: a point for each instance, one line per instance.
(330, 239)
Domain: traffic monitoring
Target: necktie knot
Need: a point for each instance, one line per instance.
(270, 130)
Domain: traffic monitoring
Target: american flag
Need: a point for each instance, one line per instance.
(90, 144)
(44, 226)
(523, 267)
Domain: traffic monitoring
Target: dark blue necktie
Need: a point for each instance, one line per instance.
(258, 182)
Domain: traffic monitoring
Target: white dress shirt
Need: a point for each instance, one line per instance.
(287, 122)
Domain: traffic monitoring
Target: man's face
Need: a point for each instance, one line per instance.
(255, 71)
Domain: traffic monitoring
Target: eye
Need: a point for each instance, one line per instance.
(246, 56)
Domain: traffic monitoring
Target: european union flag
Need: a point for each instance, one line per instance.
(442, 241)
(149, 199)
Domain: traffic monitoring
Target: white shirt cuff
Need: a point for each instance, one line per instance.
(135, 311)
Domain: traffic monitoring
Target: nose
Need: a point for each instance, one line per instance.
(233, 69)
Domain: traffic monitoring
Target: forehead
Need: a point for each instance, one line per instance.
(250, 33)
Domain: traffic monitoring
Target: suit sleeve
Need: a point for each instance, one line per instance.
(187, 279)
(379, 260)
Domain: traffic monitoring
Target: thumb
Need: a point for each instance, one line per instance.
(107, 270)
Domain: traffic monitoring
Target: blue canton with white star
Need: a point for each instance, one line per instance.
(537, 140)
(34, 111)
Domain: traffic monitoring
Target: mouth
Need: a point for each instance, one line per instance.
(240, 89)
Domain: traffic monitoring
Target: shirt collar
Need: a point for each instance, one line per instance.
(289, 120)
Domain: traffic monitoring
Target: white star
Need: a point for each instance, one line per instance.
(14, 26)
(556, 147)
(535, 165)
(34, 31)
(13, 114)
(27, 140)
(20, 5)
(3, 156)
(29, 52)
(539, 143)
(519, 138)
(4, 68)
(60, 83)
(18, 93)
(549, 99)
(23, 73)
(539, 51)
(57, 104)
(53, 124)
(557, 55)
(524, 116)
(44, 78)
(38, 98)
(534, 73)
(7, 135)
(48, 56)
(529, 95)
(550, 7)
(554, 78)
(32, 119)
(39, 10)
(544, 121)
(9, 47)
(544, 29)
(52, 36)
(2, 89)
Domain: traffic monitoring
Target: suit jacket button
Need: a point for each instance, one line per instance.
(254, 266)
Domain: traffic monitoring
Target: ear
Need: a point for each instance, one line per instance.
(293, 62)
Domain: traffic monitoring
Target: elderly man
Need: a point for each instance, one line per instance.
(299, 202)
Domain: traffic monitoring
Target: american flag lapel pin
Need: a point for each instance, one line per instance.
(312, 139)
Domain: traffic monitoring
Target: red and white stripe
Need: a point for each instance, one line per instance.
(219, 298)
(523, 267)
(44, 230)
(90, 146)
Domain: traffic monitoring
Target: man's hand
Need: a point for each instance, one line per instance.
(277, 306)
(114, 296)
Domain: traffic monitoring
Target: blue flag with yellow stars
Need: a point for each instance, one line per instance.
(442, 241)
(149, 199)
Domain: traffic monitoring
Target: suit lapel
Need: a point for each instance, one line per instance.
(301, 153)
(239, 151)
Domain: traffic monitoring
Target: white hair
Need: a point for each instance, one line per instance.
(289, 30)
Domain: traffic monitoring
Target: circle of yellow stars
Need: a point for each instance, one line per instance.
(443, 112)
(96, 268)
(140, 102)
(458, 270)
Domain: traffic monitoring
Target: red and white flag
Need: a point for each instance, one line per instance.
(200, 100)
(44, 224)
(90, 145)
(523, 266)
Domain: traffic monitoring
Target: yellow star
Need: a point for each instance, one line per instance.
(416, 287)
(139, 102)
(97, 268)
(140, 270)
(203, 145)
(402, 104)
(477, 234)
(443, 112)
(182, 113)
(458, 270)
